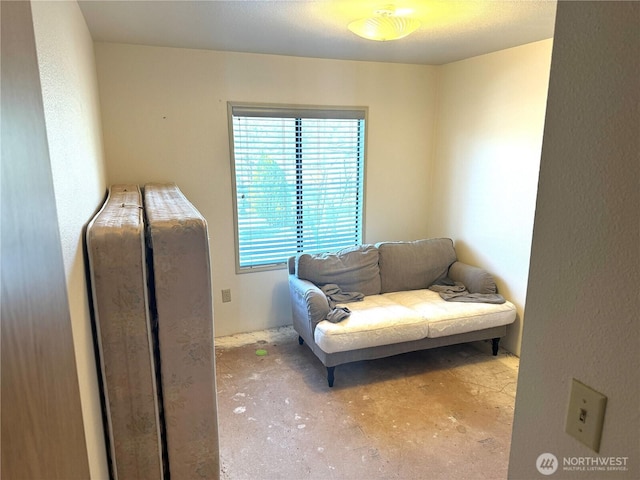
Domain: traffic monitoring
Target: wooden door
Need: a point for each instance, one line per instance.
(42, 433)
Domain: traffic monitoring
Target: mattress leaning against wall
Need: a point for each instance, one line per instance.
(178, 238)
(117, 262)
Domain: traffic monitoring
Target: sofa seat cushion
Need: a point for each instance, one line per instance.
(376, 320)
(451, 318)
(406, 316)
(353, 269)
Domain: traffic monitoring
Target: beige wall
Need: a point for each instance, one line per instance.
(164, 117)
(164, 113)
(582, 298)
(483, 185)
(72, 116)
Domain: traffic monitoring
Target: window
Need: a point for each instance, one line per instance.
(298, 181)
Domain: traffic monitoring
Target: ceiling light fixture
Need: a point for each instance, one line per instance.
(388, 23)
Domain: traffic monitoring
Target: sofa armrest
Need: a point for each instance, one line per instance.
(309, 305)
(476, 279)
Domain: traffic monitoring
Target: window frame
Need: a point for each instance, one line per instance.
(290, 111)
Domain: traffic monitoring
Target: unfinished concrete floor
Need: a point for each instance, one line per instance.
(444, 413)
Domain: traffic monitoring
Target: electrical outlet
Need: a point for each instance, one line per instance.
(585, 417)
(226, 295)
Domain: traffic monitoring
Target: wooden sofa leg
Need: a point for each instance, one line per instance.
(494, 346)
(300, 340)
(330, 376)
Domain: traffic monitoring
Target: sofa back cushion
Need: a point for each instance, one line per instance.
(353, 269)
(414, 265)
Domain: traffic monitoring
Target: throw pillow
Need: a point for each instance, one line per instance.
(476, 279)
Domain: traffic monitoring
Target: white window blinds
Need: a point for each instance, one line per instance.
(298, 177)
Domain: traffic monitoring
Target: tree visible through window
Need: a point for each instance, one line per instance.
(298, 181)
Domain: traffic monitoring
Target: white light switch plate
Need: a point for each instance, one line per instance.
(585, 416)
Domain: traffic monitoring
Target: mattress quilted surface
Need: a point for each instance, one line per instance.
(182, 285)
(117, 258)
(406, 316)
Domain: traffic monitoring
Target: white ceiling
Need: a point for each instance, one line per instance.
(451, 30)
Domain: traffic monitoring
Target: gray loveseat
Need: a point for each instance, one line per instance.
(399, 313)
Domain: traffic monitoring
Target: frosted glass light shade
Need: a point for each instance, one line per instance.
(384, 27)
